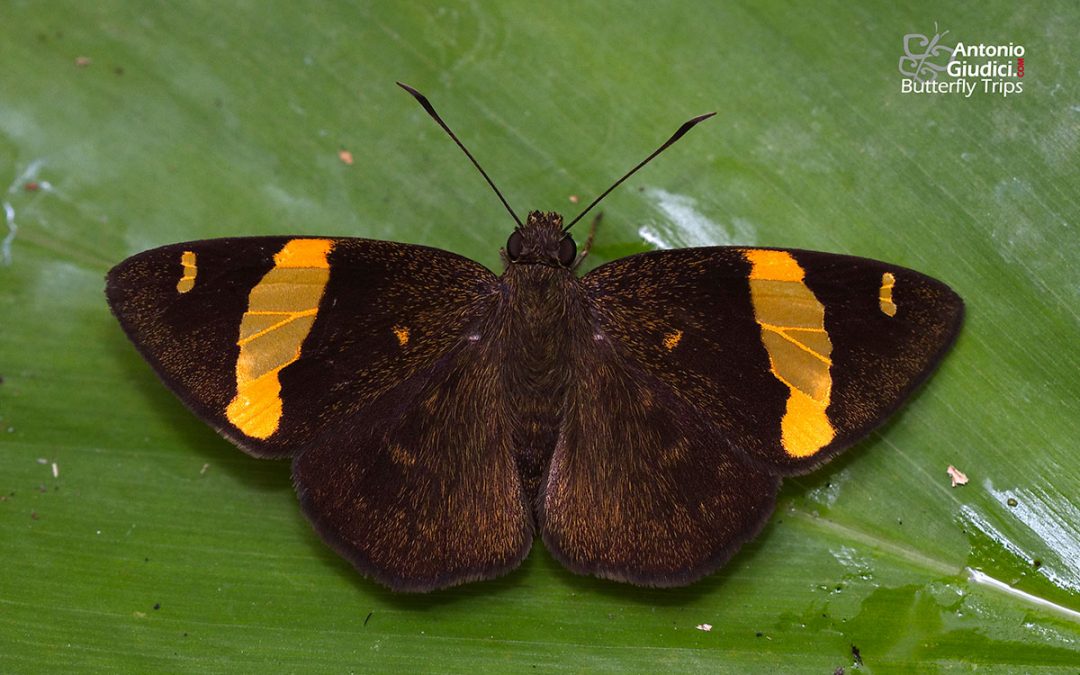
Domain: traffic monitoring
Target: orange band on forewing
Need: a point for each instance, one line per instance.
(281, 311)
(304, 253)
(793, 331)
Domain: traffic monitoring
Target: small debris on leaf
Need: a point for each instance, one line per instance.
(83, 61)
(704, 627)
(957, 476)
(573, 199)
(345, 156)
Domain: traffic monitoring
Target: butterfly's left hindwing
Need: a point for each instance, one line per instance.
(790, 356)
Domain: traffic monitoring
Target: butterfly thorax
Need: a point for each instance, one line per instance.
(544, 311)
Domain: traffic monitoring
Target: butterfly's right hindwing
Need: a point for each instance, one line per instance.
(369, 364)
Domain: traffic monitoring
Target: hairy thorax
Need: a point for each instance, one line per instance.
(546, 313)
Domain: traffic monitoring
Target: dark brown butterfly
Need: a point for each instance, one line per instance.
(639, 418)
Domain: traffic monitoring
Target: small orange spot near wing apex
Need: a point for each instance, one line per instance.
(402, 334)
(187, 279)
(885, 299)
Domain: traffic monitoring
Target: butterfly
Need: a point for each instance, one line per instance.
(439, 417)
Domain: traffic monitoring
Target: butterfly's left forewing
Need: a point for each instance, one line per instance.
(789, 356)
(703, 376)
(363, 361)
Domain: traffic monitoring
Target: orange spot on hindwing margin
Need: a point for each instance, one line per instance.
(793, 331)
(187, 279)
(402, 335)
(281, 310)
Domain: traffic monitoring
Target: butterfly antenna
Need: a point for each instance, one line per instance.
(426, 104)
(687, 126)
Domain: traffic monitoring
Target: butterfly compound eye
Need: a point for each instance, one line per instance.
(567, 252)
(513, 245)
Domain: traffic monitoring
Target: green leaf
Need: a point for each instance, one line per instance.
(135, 539)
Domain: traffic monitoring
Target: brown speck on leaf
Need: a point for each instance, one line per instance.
(83, 61)
(32, 186)
(957, 476)
(1011, 501)
(345, 156)
(573, 199)
(34, 515)
(119, 70)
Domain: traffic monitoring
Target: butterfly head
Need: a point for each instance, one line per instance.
(542, 241)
